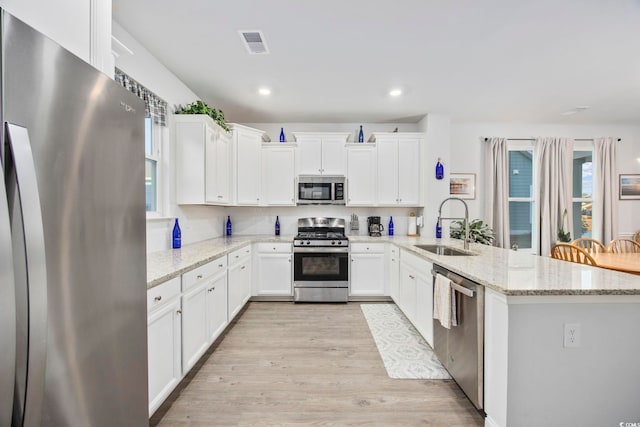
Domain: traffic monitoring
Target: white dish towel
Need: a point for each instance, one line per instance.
(444, 302)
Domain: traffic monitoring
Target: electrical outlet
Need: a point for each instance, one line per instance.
(572, 334)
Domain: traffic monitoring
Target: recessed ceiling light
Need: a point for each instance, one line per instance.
(395, 92)
(264, 91)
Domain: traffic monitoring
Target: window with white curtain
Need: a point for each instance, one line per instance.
(582, 189)
(522, 222)
(154, 136)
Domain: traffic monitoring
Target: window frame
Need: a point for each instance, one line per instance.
(159, 139)
(526, 145)
(586, 146)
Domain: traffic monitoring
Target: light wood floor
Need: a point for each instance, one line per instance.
(307, 364)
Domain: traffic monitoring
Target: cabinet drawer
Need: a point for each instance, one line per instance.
(368, 248)
(214, 267)
(422, 266)
(160, 294)
(274, 248)
(238, 254)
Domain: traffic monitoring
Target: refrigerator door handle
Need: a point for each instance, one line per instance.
(32, 231)
(7, 310)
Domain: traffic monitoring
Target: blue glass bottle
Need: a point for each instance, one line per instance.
(438, 230)
(282, 135)
(177, 236)
(439, 170)
(390, 228)
(228, 226)
(361, 135)
(277, 226)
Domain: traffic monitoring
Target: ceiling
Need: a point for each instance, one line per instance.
(335, 61)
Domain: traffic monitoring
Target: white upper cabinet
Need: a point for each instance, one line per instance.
(278, 174)
(361, 174)
(202, 160)
(218, 169)
(321, 153)
(247, 143)
(398, 180)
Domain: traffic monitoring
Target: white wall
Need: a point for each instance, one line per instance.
(466, 149)
(196, 222)
(437, 146)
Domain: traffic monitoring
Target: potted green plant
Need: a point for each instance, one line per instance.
(479, 232)
(201, 107)
(562, 236)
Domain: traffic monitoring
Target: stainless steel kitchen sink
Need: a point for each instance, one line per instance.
(444, 250)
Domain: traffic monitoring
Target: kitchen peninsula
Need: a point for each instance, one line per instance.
(532, 376)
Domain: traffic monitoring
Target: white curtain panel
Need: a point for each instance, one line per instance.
(606, 189)
(496, 157)
(553, 189)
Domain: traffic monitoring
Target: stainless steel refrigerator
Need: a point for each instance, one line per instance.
(73, 337)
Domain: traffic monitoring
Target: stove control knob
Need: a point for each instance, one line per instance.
(308, 242)
(333, 242)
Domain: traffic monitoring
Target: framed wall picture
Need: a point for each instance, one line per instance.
(629, 186)
(462, 185)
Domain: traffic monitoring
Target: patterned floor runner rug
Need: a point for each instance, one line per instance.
(406, 355)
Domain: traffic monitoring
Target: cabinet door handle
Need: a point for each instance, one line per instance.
(411, 277)
(220, 265)
(237, 256)
(243, 267)
(289, 259)
(158, 298)
(393, 260)
(274, 249)
(178, 311)
(212, 289)
(199, 276)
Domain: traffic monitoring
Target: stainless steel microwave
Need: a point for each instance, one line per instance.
(321, 190)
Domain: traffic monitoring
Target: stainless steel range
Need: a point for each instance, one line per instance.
(321, 261)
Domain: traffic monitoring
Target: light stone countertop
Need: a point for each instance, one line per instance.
(508, 272)
(165, 265)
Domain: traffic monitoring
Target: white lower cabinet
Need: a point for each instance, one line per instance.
(394, 272)
(367, 269)
(424, 305)
(164, 341)
(273, 269)
(239, 280)
(216, 305)
(416, 293)
(194, 326)
(407, 292)
(204, 309)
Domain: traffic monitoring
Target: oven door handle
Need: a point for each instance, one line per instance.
(321, 250)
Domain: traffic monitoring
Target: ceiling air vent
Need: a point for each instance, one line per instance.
(254, 42)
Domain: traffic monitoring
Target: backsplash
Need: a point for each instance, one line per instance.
(206, 222)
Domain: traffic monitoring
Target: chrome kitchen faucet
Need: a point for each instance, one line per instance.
(466, 219)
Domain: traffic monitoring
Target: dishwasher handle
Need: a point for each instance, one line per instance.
(456, 283)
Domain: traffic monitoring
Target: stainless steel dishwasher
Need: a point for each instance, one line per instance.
(461, 348)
